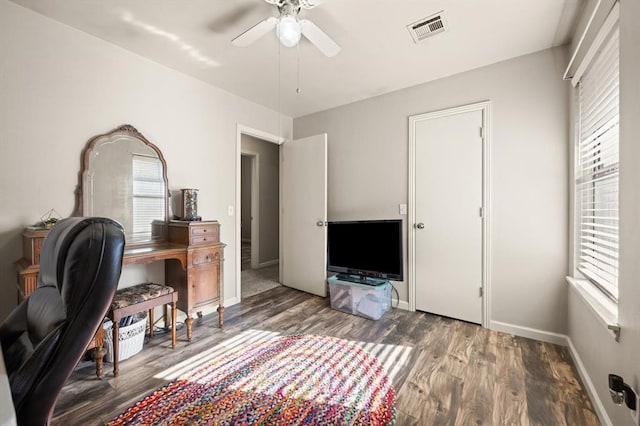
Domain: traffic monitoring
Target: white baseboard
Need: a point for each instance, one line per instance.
(531, 333)
(231, 301)
(591, 389)
(266, 264)
(403, 304)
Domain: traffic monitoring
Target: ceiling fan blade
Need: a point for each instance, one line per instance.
(223, 22)
(319, 38)
(255, 32)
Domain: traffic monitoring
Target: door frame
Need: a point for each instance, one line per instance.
(485, 107)
(268, 137)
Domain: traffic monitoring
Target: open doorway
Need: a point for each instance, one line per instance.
(259, 215)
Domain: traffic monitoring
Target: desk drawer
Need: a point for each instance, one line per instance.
(194, 233)
(203, 256)
(204, 234)
(201, 239)
(204, 230)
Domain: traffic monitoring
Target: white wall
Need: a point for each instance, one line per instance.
(268, 158)
(600, 354)
(60, 86)
(368, 143)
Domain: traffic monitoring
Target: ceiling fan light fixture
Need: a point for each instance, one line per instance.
(288, 30)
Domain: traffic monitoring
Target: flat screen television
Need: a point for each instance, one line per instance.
(366, 249)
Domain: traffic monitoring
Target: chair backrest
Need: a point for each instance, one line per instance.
(44, 338)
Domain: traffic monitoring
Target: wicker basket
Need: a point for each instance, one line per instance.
(131, 338)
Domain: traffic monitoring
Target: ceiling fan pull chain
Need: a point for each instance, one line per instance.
(279, 97)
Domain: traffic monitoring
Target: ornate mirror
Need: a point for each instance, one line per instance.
(124, 177)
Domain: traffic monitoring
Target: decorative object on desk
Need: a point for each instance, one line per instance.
(287, 380)
(190, 204)
(49, 219)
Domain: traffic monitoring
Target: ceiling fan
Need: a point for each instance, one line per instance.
(289, 27)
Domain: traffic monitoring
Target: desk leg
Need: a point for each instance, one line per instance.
(151, 322)
(98, 356)
(220, 315)
(189, 322)
(116, 344)
(174, 313)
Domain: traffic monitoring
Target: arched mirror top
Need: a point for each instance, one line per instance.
(124, 177)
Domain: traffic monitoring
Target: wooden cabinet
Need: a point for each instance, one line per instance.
(29, 265)
(203, 274)
(194, 233)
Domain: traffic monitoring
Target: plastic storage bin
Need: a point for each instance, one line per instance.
(131, 338)
(360, 299)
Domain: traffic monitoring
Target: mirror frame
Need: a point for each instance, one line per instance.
(124, 130)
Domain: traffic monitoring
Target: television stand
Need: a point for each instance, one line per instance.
(360, 279)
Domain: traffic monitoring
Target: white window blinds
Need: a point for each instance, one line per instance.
(597, 170)
(148, 195)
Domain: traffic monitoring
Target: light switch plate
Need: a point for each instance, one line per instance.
(230, 210)
(403, 208)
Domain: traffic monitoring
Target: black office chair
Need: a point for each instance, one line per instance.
(44, 338)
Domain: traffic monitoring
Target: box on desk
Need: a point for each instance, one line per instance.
(364, 300)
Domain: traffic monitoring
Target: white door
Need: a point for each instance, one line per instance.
(448, 222)
(304, 214)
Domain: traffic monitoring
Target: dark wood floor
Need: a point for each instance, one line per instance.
(445, 372)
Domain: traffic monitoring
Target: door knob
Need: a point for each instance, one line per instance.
(420, 225)
(320, 223)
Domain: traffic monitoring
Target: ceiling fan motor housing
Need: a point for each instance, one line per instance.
(288, 28)
(289, 7)
(305, 4)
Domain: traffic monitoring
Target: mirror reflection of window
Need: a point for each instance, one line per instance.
(148, 195)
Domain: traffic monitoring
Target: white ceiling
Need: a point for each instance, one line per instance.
(378, 54)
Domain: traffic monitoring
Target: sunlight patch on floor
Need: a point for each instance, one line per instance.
(392, 357)
(242, 340)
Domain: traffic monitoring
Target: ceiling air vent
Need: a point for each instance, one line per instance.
(427, 27)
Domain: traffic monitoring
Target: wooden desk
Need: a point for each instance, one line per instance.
(194, 256)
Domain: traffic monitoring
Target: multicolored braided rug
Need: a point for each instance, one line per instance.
(290, 380)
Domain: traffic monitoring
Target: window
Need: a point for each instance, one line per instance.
(148, 195)
(597, 178)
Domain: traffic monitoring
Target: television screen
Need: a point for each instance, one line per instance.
(369, 248)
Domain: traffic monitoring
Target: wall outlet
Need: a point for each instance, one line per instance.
(403, 208)
(230, 210)
(635, 414)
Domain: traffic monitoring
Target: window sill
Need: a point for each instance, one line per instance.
(603, 308)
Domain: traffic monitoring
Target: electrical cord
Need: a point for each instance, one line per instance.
(397, 297)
